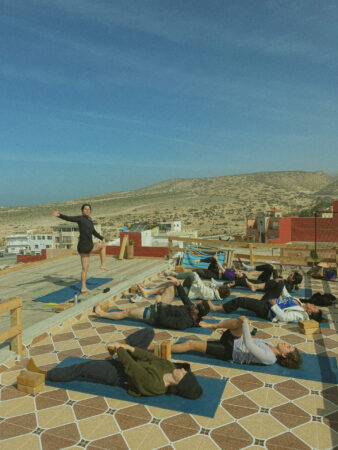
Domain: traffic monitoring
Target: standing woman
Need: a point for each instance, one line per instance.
(85, 244)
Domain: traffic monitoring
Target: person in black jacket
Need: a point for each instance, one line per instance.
(85, 244)
(180, 317)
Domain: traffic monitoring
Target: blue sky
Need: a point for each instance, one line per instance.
(106, 95)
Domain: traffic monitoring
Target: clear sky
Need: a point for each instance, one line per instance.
(110, 95)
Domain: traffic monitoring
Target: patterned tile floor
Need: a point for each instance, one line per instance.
(256, 410)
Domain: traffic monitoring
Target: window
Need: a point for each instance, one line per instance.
(275, 225)
(49, 238)
(39, 238)
(67, 239)
(43, 238)
(36, 246)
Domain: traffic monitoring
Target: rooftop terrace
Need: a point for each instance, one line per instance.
(256, 410)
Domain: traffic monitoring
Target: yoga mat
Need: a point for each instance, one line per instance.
(189, 259)
(252, 316)
(141, 324)
(305, 293)
(67, 293)
(205, 406)
(314, 368)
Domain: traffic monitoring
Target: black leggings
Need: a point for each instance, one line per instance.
(223, 348)
(109, 371)
(260, 307)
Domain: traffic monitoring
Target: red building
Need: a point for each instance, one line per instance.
(273, 228)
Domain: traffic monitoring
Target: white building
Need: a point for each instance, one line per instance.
(30, 242)
(17, 244)
(39, 241)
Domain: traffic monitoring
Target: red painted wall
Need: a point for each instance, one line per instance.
(303, 229)
(31, 258)
(284, 231)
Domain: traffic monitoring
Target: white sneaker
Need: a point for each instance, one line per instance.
(136, 298)
(217, 282)
(248, 268)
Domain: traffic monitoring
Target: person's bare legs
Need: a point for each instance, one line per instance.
(154, 291)
(168, 294)
(85, 265)
(101, 247)
(135, 313)
(198, 346)
(254, 287)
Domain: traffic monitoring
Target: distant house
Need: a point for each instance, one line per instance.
(32, 242)
(271, 227)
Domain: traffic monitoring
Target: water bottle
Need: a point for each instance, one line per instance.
(75, 299)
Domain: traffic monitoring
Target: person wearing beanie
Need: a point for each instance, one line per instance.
(237, 344)
(136, 369)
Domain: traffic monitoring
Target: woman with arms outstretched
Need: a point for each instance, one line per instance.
(85, 244)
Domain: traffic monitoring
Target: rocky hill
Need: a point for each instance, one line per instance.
(213, 206)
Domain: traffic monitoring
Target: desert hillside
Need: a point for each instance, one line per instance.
(213, 206)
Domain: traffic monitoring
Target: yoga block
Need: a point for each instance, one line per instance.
(307, 324)
(179, 269)
(31, 379)
(166, 350)
(31, 389)
(63, 307)
(310, 330)
(157, 349)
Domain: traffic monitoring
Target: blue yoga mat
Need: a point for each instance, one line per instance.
(205, 406)
(252, 316)
(141, 324)
(314, 368)
(189, 259)
(305, 293)
(67, 293)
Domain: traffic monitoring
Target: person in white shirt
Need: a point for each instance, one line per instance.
(236, 344)
(283, 309)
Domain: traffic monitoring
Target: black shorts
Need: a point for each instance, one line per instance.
(84, 248)
(222, 349)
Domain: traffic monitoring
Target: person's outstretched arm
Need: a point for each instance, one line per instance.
(56, 213)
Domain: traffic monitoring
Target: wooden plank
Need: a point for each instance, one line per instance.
(254, 244)
(170, 247)
(13, 303)
(8, 334)
(251, 255)
(16, 321)
(123, 246)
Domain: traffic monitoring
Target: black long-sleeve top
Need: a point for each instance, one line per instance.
(86, 228)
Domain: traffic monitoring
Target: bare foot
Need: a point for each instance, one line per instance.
(33, 368)
(103, 267)
(85, 290)
(251, 286)
(98, 311)
(142, 290)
